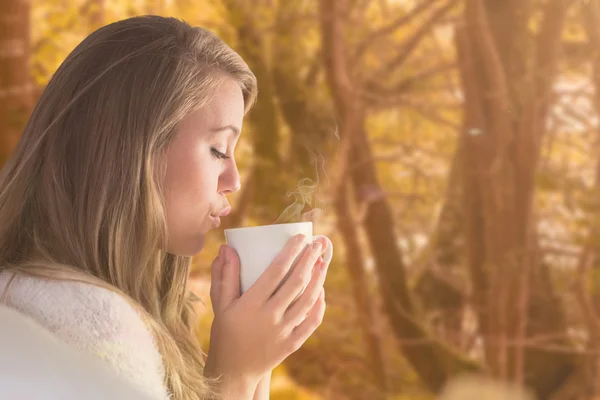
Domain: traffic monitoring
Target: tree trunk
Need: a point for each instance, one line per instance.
(438, 286)
(589, 262)
(15, 80)
(591, 12)
(312, 131)
(505, 116)
(268, 176)
(313, 128)
(360, 292)
(433, 362)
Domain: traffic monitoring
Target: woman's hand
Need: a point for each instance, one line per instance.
(253, 333)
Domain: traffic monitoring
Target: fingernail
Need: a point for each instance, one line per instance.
(317, 265)
(316, 246)
(300, 238)
(221, 250)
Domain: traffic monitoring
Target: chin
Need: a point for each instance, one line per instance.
(188, 248)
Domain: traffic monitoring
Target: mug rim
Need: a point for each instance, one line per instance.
(265, 226)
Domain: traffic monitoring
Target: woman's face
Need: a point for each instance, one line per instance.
(201, 170)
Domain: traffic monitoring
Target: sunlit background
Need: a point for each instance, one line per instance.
(449, 148)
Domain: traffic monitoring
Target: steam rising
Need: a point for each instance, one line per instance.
(304, 194)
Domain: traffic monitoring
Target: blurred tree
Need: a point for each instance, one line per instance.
(442, 259)
(507, 74)
(586, 383)
(97, 14)
(155, 7)
(408, 186)
(309, 117)
(15, 75)
(296, 75)
(433, 361)
(267, 172)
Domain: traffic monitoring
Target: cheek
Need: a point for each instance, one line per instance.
(190, 188)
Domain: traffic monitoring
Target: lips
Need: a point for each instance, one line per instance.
(224, 212)
(216, 217)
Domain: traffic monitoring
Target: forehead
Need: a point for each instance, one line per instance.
(225, 107)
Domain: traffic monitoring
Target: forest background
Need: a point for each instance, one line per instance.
(452, 149)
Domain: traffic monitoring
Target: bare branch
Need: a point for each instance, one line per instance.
(409, 46)
(409, 149)
(428, 113)
(400, 88)
(492, 65)
(574, 115)
(334, 52)
(391, 27)
(560, 251)
(452, 84)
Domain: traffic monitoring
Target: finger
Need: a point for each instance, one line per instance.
(216, 270)
(315, 274)
(230, 281)
(314, 319)
(268, 282)
(323, 242)
(299, 309)
(298, 280)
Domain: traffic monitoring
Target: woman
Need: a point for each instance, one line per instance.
(123, 167)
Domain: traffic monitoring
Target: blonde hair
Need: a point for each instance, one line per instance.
(81, 198)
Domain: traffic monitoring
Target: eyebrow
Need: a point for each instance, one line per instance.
(231, 128)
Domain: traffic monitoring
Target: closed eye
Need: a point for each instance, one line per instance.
(218, 154)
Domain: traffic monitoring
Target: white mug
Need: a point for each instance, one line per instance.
(257, 246)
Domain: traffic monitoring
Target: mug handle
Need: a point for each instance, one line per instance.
(329, 251)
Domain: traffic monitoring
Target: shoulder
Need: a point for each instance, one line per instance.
(73, 306)
(94, 320)
(28, 349)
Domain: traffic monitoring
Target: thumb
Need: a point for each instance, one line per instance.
(230, 284)
(216, 277)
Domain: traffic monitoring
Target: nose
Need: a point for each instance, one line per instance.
(230, 179)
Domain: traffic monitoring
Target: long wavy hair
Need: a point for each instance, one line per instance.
(81, 196)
